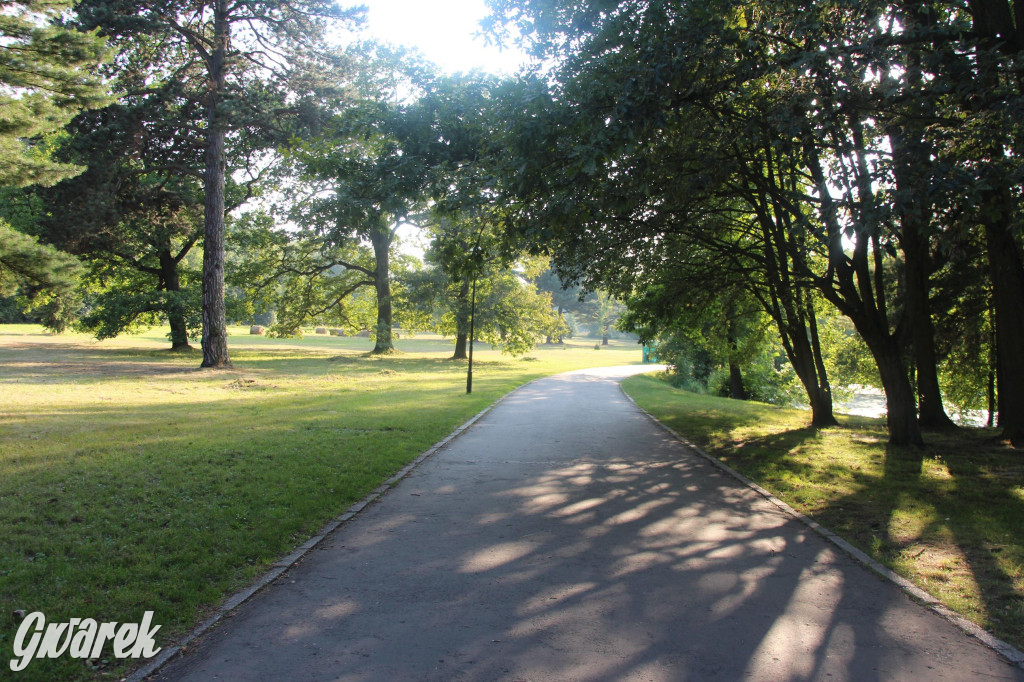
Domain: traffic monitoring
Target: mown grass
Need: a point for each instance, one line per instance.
(949, 517)
(130, 480)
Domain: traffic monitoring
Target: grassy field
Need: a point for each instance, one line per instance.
(130, 480)
(949, 517)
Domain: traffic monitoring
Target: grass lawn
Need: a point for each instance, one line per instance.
(131, 480)
(949, 517)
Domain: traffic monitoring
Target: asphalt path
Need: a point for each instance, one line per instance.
(565, 536)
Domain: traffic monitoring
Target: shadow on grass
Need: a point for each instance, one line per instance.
(945, 517)
(949, 516)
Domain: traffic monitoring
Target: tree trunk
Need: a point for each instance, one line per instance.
(819, 394)
(736, 391)
(215, 335)
(460, 346)
(1007, 272)
(911, 159)
(175, 311)
(461, 322)
(901, 416)
(604, 338)
(931, 412)
(381, 239)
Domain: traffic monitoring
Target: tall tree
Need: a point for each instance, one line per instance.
(246, 50)
(364, 176)
(994, 94)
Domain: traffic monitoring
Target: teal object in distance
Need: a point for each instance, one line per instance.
(650, 354)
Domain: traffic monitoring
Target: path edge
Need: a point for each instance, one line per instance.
(1011, 654)
(286, 562)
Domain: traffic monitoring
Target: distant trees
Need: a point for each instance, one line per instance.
(362, 170)
(465, 258)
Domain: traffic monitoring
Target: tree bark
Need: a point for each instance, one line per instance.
(911, 160)
(815, 383)
(931, 412)
(461, 340)
(461, 322)
(175, 312)
(901, 416)
(1007, 272)
(736, 390)
(380, 237)
(215, 336)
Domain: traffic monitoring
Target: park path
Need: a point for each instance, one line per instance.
(565, 536)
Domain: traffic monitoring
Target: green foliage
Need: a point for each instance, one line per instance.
(466, 252)
(512, 315)
(45, 79)
(846, 357)
(44, 278)
(48, 75)
(767, 378)
(305, 279)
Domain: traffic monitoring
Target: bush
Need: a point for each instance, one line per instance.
(762, 382)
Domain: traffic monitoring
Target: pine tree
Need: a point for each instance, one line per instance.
(46, 78)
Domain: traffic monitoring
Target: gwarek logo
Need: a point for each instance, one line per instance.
(81, 638)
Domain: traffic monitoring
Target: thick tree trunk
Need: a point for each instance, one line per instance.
(819, 393)
(175, 312)
(381, 240)
(1007, 272)
(215, 335)
(911, 156)
(736, 390)
(461, 340)
(931, 412)
(901, 416)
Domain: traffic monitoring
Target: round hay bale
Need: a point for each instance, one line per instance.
(321, 330)
(257, 329)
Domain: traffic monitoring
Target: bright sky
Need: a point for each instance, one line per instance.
(445, 31)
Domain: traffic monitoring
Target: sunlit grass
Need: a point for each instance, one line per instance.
(949, 517)
(130, 480)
